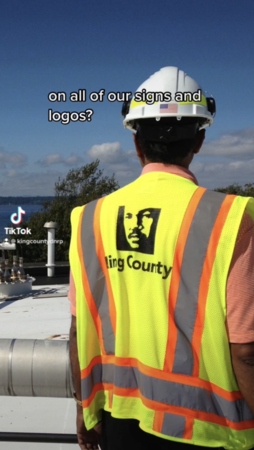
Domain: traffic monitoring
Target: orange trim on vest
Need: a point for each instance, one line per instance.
(97, 388)
(100, 359)
(205, 279)
(175, 277)
(158, 421)
(110, 397)
(188, 430)
(89, 298)
(186, 412)
(101, 256)
(189, 414)
(157, 373)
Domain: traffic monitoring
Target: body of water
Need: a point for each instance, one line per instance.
(7, 210)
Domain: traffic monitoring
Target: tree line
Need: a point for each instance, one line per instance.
(79, 187)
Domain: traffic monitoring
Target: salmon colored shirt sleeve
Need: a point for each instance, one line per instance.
(72, 295)
(240, 284)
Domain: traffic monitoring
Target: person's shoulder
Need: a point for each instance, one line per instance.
(217, 193)
(123, 190)
(239, 198)
(247, 225)
(75, 213)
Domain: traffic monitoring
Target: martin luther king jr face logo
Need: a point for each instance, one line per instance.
(136, 229)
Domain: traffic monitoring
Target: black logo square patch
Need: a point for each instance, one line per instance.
(136, 229)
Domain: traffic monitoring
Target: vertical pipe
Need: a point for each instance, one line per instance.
(51, 252)
(51, 226)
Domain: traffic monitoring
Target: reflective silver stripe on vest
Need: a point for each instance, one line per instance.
(173, 425)
(96, 277)
(96, 376)
(191, 271)
(166, 392)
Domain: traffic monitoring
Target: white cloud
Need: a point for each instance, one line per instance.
(197, 166)
(26, 183)
(113, 159)
(213, 167)
(222, 174)
(53, 159)
(233, 160)
(14, 159)
(125, 173)
(73, 160)
(211, 173)
(238, 144)
(227, 167)
(12, 173)
(110, 152)
(57, 158)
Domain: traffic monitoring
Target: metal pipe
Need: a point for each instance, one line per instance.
(51, 226)
(35, 368)
(39, 437)
(51, 252)
(7, 246)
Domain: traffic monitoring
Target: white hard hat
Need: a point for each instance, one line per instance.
(170, 92)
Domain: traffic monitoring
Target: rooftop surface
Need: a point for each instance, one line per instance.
(43, 314)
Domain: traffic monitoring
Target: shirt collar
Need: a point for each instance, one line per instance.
(170, 168)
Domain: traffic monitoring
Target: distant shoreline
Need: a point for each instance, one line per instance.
(36, 200)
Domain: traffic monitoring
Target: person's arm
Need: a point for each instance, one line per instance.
(86, 439)
(243, 365)
(240, 309)
(74, 358)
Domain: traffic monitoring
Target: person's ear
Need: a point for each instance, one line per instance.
(201, 138)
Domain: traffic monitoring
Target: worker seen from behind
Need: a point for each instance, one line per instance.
(162, 282)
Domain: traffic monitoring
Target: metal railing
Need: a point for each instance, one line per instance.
(39, 437)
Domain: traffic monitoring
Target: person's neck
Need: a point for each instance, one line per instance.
(182, 163)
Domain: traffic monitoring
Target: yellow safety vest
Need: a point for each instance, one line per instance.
(150, 264)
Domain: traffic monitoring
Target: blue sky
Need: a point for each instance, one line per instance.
(63, 46)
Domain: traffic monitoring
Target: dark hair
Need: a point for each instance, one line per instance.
(167, 141)
(167, 153)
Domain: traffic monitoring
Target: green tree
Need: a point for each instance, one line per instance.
(236, 189)
(79, 187)
(249, 190)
